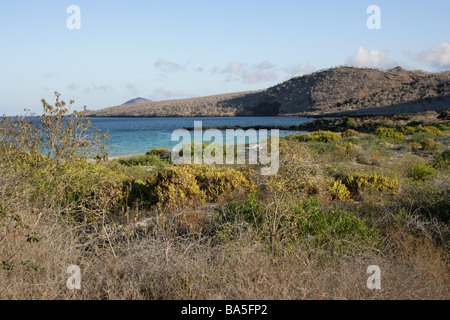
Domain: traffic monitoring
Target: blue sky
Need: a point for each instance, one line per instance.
(170, 49)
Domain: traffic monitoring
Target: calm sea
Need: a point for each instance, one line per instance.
(133, 136)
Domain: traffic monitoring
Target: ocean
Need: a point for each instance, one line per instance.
(134, 136)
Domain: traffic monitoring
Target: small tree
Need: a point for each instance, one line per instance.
(69, 136)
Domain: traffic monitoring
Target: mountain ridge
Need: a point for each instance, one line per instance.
(340, 90)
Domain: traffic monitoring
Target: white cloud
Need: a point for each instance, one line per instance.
(237, 71)
(164, 94)
(234, 68)
(167, 65)
(254, 76)
(368, 58)
(265, 65)
(438, 56)
(94, 89)
(303, 68)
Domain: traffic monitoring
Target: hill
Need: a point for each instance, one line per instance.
(136, 100)
(335, 91)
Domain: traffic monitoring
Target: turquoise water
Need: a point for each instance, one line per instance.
(133, 136)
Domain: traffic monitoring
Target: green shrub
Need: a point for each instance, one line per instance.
(350, 133)
(421, 135)
(229, 218)
(319, 136)
(415, 123)
(206, 144)
(433, 130)
(430, 129)
(428, 197)
(190, 185)
(305, 223)
(339, 191)
(139, 194)
(143, 160)
(157, 152)
(421, 172)
(334, 229)
(390, 133)
(351, 123)
(357, 183)
(442, 161)
(82, 186)
(320, 148)
(443, 126)
(415, 146)
(430, 145)
(345, 147)
(50, 159)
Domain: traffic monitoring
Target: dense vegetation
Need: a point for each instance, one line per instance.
(142, 228)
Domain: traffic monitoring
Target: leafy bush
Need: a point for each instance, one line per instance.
(443, 126)
(415, 123)
(351, 123)
(357, 183)
(77, 185)
(139, 193)
(415, 146)
(230, 217)
(157, 152)
(430, 145)
(339, 191)
(442, 161)
(390, 133)
(190, 185)
(49, 158)
(433, 130)
(334, 228)
(305, 223)
(421, 135)
(320, 148)
(319, 136)
(143, 160)
(345, 147)
(421, 172)
(350, 133)
(429, 197)
(430, 129)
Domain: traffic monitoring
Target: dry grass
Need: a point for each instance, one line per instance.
(158, 267)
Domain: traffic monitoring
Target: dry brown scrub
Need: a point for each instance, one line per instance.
(152, 268)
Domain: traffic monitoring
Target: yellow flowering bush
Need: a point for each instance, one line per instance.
(190, 185)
